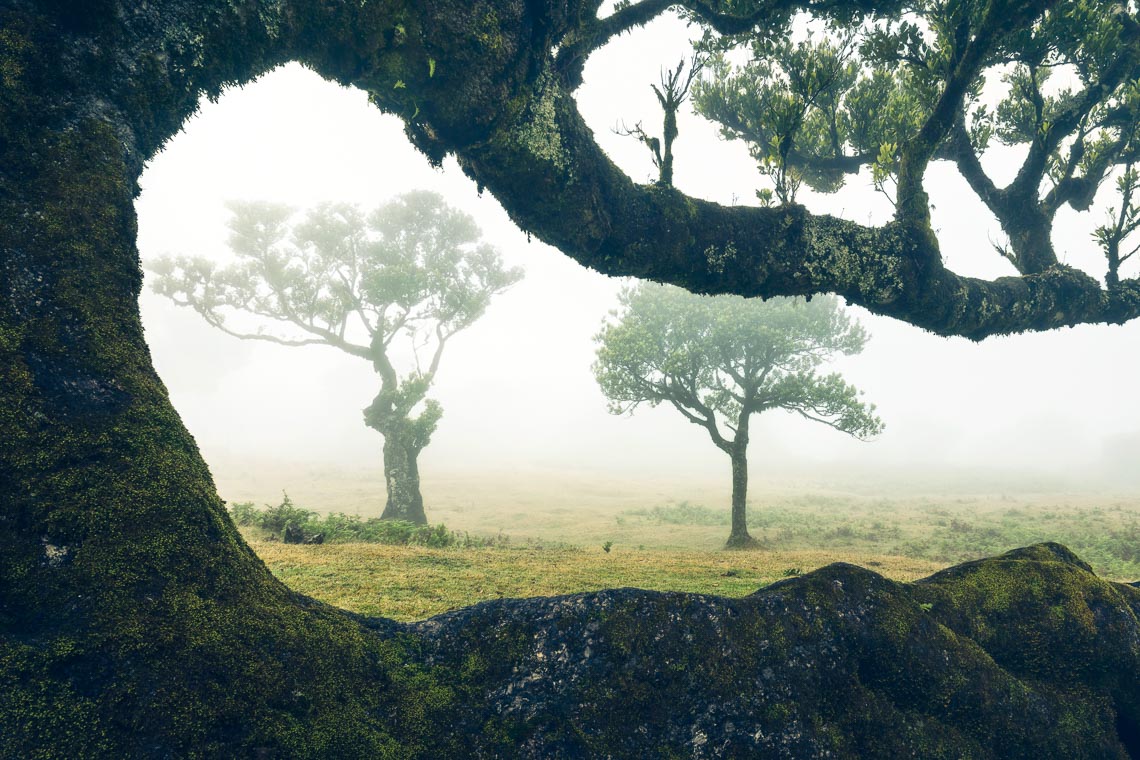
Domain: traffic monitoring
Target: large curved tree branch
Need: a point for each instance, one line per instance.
(544, 166)
(515, 129)
(577, 200)
(556, 183)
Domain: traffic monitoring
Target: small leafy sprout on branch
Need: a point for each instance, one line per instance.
(671, 94)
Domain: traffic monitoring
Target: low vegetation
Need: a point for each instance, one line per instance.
(295, 525)
(410, 572)
(408, 582)
(944, 531)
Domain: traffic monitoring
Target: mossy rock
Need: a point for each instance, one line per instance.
(838, 663)
(1024, 655)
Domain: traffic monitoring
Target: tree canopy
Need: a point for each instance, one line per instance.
(719, 361)
(411, 271)
(944, 81)
(887, 88)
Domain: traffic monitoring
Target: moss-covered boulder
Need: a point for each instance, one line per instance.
(1025, 655)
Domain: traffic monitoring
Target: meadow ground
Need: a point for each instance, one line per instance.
(666, 532)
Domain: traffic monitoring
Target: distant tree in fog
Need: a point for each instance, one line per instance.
(413, 271)
(720, 360)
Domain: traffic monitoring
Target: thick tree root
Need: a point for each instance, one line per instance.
(1024, 655)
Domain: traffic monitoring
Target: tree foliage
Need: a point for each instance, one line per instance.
(945, 80)
(717, 358)
(412, 270)
(718, 361)
(413, 267)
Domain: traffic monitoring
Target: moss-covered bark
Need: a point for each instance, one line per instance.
(839, 663)
(402, 477)
(134, 622)
(133, 619)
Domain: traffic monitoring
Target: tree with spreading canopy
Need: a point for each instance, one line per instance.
(720, 360)
(903, 91)
(135, 622)
(412, 271)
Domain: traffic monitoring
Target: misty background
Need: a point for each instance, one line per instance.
(1056, 410)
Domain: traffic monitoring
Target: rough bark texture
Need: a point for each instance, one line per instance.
(402, 477)
(838, 663)
(738, 537)
(404, 439)
(134, 622)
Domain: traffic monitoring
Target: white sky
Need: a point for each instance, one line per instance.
(516, 388)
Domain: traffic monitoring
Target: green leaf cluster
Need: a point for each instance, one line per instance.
(413, 265)
(719, 360)
(941, 80)
(809, 112)
(341, 528)
(413, 269)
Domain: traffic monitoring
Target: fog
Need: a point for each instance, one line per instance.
(517, 390)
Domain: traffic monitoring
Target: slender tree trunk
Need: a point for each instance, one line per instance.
(669, 136)
(402, 476)
(739, 538)
(1112, 276)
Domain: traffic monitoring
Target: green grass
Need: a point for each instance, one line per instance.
(667, 533)
(414, 582)
(274, 522)
(1105, 534)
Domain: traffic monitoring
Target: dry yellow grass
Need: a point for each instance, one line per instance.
(904, 529)
(413, 582)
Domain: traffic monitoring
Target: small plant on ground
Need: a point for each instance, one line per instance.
(292, 524)
(683, 513)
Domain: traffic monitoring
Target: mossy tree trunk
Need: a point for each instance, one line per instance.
(739, 537)
(134, 621)
(402, 413)
(402, 476)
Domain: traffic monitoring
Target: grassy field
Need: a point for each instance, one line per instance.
(667, 533)
(415, 582)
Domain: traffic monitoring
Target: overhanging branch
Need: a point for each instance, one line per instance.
(578, 201)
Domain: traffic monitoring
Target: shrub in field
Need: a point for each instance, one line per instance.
(685, 513)
(337, 527)
(245, 514)
(274, 519)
